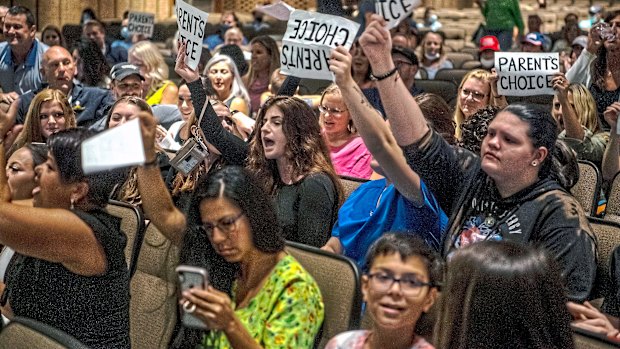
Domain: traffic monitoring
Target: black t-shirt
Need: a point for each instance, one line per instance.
(93, 309)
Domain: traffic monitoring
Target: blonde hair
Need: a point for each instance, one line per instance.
(479, 74)
(154, 62)
(585, 107)
(333, 89)
(32, 125)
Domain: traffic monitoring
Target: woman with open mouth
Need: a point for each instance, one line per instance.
(288, 154)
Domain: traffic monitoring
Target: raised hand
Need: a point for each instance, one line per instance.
(611, 115)
(340, 65)
(181, 68)
(377, 45)
(560, 84)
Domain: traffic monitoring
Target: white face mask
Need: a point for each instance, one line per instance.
(431, 56)
(487, 63)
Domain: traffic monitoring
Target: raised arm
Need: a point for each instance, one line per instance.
(611, 164)
(156, 200)
(569, 116)
(374, 130)
(233, 149)
(406, 119)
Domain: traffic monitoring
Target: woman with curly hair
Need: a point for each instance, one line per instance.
(288, 155)
(92, 67)
(49, 113)
(157, 88)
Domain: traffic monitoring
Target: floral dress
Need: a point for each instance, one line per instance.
(286, 313)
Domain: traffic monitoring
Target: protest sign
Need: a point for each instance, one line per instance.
(394, 11)
(526, 73)
(117, 147)
(141, 23)
(280, 10)
(308, 41)
(191, 22)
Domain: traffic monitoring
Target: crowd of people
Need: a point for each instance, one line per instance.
(464, 227)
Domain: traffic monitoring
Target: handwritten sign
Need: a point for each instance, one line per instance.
(191, 22)
(117, 147)
(308, 41)
(394, 11)
(141, 23)
(525, 73)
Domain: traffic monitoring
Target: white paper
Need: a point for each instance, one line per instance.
(394, 11)
(141, 23)
(525, 73)
(308, 41)
(192, 23)
(280, 10)
(117, 147)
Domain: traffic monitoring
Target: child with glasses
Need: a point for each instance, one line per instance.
(399, 287)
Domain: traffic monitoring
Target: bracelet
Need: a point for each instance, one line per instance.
(152, 163)
(373, 77)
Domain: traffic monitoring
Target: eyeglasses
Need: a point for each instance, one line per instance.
(477, 96)
(409, 285)
(331, 111)
(226, 225)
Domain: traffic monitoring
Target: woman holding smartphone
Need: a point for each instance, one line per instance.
(273, 299)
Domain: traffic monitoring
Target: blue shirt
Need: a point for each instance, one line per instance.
(23, 77)
(361, 221)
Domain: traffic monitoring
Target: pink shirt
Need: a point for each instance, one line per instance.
(352, 159)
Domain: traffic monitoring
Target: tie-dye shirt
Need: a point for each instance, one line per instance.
(286, 313)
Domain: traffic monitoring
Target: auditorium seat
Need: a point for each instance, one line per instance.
(445, 89)
(453, 75)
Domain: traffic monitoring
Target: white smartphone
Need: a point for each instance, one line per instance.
(191, 277)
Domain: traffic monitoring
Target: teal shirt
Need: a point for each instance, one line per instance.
(503, 15)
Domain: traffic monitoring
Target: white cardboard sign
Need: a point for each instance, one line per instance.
(192, 23)
(308, 41)
(280, 10)
(117, 147)
(525, 73)
(394, 11)
(141, 23)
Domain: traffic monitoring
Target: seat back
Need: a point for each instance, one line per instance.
(612, 211)
(588, 187)
(445, 89)
(458, 58)
(454, 75)
(25, 333)
(589, 340)
(132, 224)
(350, 184)
(470, 65)
(339, 281)
(608, 238)
(153, 305)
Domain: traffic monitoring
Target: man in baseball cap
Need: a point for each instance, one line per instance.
(126, 80)
(407, 63)
(488, 46)
(533, 42)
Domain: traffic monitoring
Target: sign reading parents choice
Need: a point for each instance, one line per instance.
(117, 147)
(526, 74)
(307, 43)
(394, 11)
(192, 23)
(141, 23)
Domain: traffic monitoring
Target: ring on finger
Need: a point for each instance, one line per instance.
(189, 307)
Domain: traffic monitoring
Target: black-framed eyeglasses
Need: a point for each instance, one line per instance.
(226, 225)
(331, 111)
(409, 284)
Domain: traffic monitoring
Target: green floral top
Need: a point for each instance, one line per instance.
(286, 313)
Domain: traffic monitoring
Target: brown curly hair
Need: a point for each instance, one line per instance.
(306, 149)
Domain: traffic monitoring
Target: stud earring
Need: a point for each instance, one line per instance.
(534, 163)
(72, 204)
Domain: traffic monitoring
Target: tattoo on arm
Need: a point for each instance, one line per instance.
(363, 100)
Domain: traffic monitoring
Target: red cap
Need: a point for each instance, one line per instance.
(489, 42)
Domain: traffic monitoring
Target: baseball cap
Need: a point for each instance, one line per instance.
(122, 70)
(407, 53)
(581, 40)
(489, 42)
(534, 38)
